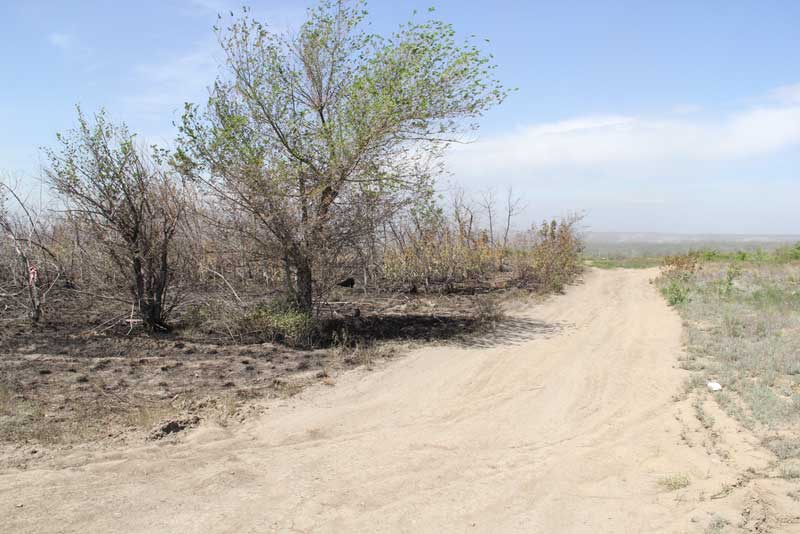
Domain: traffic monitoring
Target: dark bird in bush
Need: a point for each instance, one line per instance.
(350, 282)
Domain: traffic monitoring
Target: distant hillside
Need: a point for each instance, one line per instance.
(646, 243)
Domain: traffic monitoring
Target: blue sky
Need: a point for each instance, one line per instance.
(679, 117)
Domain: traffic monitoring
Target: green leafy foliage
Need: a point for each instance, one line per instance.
(323, 134)
(280, 321)
(676, 290)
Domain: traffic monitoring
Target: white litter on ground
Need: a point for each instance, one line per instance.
(714, 386)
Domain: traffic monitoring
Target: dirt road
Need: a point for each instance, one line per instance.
(563, 421)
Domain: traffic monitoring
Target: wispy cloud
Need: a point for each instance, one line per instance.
(788, 94)
(165, 84)
(74, 50)
(162, 84)
(615, 141)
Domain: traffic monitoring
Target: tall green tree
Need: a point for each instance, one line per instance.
(324, 133)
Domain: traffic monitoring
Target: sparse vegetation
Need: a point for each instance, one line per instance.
(5, 400)
(674, 482)
(790, 471)
(280, 321)
(181, 292)
(742, 313)
(717, 525)
(783, 447)
(295, 227)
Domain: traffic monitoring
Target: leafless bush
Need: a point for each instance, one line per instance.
(129, 203)
(29, 266)
(429, 248)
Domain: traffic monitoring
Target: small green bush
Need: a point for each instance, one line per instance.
(280, 321)
(676, 291)
(677, 277)
(725, 285)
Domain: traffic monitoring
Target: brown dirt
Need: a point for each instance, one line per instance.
(565, 421)
(77, 381)
(67, 391)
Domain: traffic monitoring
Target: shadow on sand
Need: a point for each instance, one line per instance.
(461, 330)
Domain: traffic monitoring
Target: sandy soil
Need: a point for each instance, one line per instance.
(565, 420)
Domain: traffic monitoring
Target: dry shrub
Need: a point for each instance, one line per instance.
(439, 256)
(488, 312)
(548, 258)
(677, 273)
(674, 482)
(683, 263)
(274, 321)
(281, 322)
(28, 267)
(433, 248)
(429, 247)
(215, 317)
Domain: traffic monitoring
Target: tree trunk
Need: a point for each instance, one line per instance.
(304, 294)
(149, 306)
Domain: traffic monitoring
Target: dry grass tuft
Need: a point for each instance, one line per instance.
(783, 447)
(5, 400)
(148, 416)
(674, 482)
(717, 525)
(790, 471)
(488, 312)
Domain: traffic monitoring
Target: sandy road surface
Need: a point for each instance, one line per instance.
(561, 422)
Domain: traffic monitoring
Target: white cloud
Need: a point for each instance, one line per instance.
(788, 94)
(164, 85)
(174, 68)
(616, 141)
